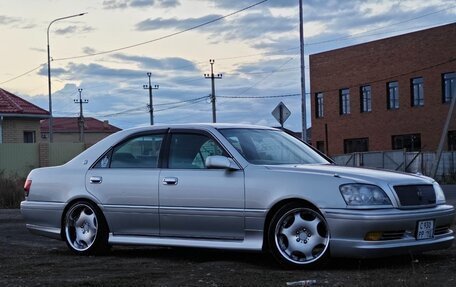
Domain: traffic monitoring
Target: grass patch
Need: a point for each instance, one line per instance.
(11, 190)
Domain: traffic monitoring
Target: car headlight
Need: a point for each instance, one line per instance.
(439, 195)
(366, 195)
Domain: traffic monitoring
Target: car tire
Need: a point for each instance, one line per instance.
(85, 229)
(298, 236)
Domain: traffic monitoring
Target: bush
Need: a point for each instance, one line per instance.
(11, 190)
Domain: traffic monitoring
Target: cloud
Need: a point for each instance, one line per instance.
(141, 3)
(56, 72)
(245, 27)
(172, 63)
(122, 4)
(41, 50)
(115, 4)
(229, 4)
(5, 20)
(173, 23)
(74, 71)
(88, 50)
(73, 29)
(169, 3)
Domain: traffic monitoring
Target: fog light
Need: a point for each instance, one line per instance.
(373, 236)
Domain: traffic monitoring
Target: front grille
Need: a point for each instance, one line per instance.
(413, 195)
(392, 235)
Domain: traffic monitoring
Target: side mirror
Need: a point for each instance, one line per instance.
(218, 161)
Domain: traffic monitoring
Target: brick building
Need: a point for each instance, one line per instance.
(19, 119)
(393, 93)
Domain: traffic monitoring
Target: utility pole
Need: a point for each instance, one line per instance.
(303, 71)
(80, 101)
(213, 77)
(151, 106)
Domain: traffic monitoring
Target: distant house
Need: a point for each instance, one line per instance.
(19, 119)
(66, 129)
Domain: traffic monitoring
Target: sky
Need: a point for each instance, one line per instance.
(109, 51)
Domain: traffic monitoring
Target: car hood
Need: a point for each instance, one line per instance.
(356, 174)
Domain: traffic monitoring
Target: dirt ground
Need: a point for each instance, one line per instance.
(30, 260)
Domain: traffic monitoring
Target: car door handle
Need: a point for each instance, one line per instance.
(170, 180)
(96, 179)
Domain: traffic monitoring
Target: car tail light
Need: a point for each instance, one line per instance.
(27, 186)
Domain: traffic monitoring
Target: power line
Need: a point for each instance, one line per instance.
(163, 37)
(178, 102)
(187, 104)
(23, 74)
(260, 97)
(138, 109)
(265, 77)
(142, 43)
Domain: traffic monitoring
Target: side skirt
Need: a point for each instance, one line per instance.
(253, 241)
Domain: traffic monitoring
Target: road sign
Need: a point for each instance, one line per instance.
(281, 113)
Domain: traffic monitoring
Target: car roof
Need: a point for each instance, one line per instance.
(204, 126)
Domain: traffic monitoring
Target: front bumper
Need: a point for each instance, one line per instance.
(349, 227)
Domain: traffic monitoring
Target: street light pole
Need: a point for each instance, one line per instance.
(303, 79)
(49, 70)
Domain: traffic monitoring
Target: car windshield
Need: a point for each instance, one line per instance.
(261, 146)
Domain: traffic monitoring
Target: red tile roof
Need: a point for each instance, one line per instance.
(71, 125)
(14, 105)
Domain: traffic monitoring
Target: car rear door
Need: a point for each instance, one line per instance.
(195, 201)
(125, 180)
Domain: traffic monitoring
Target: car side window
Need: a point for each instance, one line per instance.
(189, 151)
(138, 152)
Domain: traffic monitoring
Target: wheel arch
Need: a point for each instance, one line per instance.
(273, 210)
(71, 203)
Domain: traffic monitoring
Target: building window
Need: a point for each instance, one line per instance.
(29, 137)
(417, 92)
(411, 142)
(321, 146)
(356, 145)
(366, 99)
(319, 105)
(448, 87)
(344, 99)
(452, 140)
(393, 95)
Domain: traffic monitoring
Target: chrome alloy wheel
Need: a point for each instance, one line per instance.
(301, 236)
(81, 227)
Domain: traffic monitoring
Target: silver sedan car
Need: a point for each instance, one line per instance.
(233, 187)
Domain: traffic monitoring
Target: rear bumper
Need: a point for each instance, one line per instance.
(43, 218)
(349, 227)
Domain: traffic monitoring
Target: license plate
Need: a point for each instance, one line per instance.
(425, 229)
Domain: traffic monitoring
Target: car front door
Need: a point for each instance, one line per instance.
(125, 180)
(196, 201)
